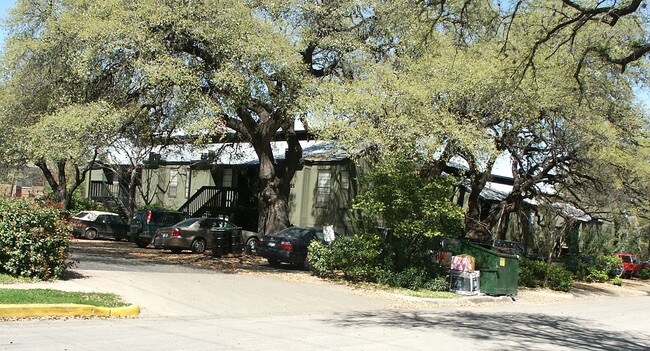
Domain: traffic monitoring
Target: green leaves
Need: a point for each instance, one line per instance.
(395, 196)
(75, 132)
(34, 239)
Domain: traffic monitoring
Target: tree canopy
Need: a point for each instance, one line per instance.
(546, 82)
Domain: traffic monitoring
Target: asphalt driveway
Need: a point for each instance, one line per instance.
(243, 304)
(172, 289)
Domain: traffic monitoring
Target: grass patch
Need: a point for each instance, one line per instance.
(426, 293)
(7, 279)
(48, 296)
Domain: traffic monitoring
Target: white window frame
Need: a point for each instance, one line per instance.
(227, 178)
(323, 188)
(173, 183)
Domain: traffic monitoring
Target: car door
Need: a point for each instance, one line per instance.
(112, 227)
(102, 225)
(119, 227)
(204, 229)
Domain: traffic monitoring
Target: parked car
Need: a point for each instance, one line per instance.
(630, 265)
(96, 224)
(145, 223)
(289, 245)
(195, 234)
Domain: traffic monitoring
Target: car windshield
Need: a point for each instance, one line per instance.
(294, 232)
(626, 259)
(188, 222)
(81, 215)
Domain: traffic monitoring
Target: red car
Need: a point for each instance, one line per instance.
(630, 264)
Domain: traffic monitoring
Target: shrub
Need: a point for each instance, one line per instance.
(437, 284)
(413, 278)
(533, 274)
(558, 278)
(592, 269)
(361, 258)
(644, 273)
(357, 257)
(34, 239)
(82, 203)
(415, 208)
(617, 281)
(603, 266)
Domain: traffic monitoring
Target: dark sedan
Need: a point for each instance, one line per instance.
(289, 245)
(194, 234)
(96, 224)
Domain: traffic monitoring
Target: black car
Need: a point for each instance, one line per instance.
(289, 245)
(96, 224)
(145, 223)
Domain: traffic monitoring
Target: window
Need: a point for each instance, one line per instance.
(345, 180)
(227, 178)
(173, 183)
(345, 189)
(188, 182)
(323, 188)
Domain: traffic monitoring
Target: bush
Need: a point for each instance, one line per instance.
(592, 269)
(34, 239)
(644, 273)
(558, 278)
(415, 208)
(81, 203)
(617, 281)
(437, 284)
(357, 257)
(360, 258)
(413, 278)
(534, 274)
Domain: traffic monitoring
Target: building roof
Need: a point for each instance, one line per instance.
(241, 153)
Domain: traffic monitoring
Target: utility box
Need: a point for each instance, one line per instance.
(499, 271)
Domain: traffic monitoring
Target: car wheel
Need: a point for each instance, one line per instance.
(274, 263)
(91, 234)
(251, 246)
(176, 251)
(198, 246)
(304, 265)
(142, 243)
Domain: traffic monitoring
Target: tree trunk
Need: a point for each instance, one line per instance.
(58, 186)
(133, 181)
(275, 184)
(62, 194)
(474, 227)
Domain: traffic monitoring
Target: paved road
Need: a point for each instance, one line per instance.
(193, 309)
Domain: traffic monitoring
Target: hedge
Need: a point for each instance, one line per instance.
(34, 239)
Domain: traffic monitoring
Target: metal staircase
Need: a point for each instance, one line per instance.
(211, 200)
(114, 196)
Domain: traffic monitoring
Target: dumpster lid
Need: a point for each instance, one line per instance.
(488, 251)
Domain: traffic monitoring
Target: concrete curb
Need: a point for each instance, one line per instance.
(66, 310)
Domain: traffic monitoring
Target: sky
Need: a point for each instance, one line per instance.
(5, 5)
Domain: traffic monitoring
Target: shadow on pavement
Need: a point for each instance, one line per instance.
(126, 256)
(515, 331)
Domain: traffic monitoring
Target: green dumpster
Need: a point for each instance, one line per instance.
(499, 271)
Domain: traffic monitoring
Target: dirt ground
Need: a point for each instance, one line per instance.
(255, 265)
